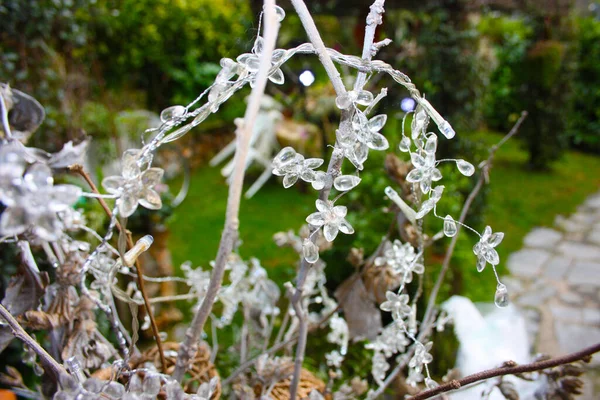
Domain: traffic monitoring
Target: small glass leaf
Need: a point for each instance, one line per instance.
(431, 144)
(284, 157)
(449, 226)
(501, 296)
(344, 183)
(465, 168)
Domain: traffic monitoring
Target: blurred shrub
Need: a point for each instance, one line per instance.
(584, 117)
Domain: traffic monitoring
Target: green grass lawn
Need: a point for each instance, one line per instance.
(520, 199)
(198, 222)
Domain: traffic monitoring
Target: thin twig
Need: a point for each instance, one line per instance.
(49, 364)
(77, 168)
(230, 232)
(509, 369)
(4, 111)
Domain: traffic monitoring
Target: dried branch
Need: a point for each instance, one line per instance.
(230, 232)
(510, 369)
(49, 364)
(77, 168)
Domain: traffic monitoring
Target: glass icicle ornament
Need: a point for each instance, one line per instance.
(501, 296)
(343, 183)
(449, 226)
(465, 168)
(310, 251)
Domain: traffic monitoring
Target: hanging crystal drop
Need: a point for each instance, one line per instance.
(465, 168)
(430, 383)
(344, 183)
(343, 102)
(501, 297)
(280, 13)
(171, 113)
(431, 144)
(449, 226)
(310, 251)
(405, 144)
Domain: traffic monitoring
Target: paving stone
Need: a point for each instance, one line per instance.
(572, 338)
(594, 237)
(593, 202)
(566, 314)
(537, 298)
(572, 298)
(556, 267)
(579, 251)
(527, 262)
(591, 316)
(584, 273)
(542, 237)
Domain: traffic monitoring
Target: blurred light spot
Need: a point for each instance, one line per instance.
(408, 104)
(307, 78)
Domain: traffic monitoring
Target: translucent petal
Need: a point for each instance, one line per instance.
(308, 175)
(344, 183)
(13, 221)
(316, 219)
(449, 226)
(320, 179)
(130, 165)
(465, 168)
(216, 91)
(495, 239)
(477, 248)
(63, 196)
(436, 175)
(340, 211)
(289, 180)
(150, 199)
(152, 176)
(377, 141)
(38, 176)
(204, 112)
(361, 151)
(112, 184)
(425, 185)
(377, 122)
(249, 61)
(47, 227)
(331, 232)
(480, 263)
(277, 77)
(419, 122)
(431, 144)
(417, 160)
(177, 133)
(310, 251)
(343, 102)
(346, 228)
(172, 113)
(151, 385)
(501, 296)
(284, 157)
(278, 55)
(313, 163)
(414, 175)
(364, 98)
(322, 206)
(427, 358)
(127, 205)
(491, 255)
(487, 232)
(404, 144)
(280, 13)
(436, 193)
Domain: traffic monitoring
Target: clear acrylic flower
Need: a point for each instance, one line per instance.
(34, 203)
(430, 203)
(425, 171)
(291, 166)
(484, 249)
(402, 259)
(421, 356)
(367, 130)
(334, 359)
(134, 187)
(251, 62)
(396, 304)
(379, 366)
(331, 218)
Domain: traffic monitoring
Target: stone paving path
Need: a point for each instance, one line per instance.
(556, 281)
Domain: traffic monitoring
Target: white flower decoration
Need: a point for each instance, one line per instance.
(331, 218)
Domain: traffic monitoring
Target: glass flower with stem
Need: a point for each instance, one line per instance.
(251, 62)
(484, 249)
(134, 187)
(292, 165)
(425, 171)
(421, 356)
(331, 218)
(34, 202)
(397, 304)
(367, 130)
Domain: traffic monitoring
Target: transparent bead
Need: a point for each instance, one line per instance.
(310, 251)
(172, 113)
(280, 13)
(343, 102)
(465, 168)
(405, 144)
(501, 296)
(343, 183)
(449, 226)
(447, 130)
(364, 98)
(319, 181)
(286, 156)
(430, 383)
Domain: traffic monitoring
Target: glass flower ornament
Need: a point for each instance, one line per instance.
(484, 249)
(331, 218)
